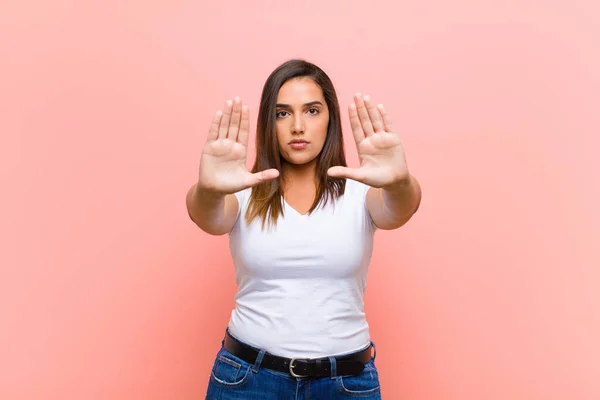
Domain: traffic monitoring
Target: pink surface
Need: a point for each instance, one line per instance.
(107, 289)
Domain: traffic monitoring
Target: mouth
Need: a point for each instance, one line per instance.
(298, 144)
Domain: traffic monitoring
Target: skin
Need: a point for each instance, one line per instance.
(394, 195)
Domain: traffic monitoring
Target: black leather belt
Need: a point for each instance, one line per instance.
(351, 364)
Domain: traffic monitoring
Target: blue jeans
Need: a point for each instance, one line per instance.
(234, 379)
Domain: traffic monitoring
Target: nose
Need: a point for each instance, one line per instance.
(298, 125)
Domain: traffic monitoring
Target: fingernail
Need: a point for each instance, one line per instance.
(229, 102)
(237, 99)
(367, 97)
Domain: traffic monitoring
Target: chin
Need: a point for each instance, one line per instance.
(300, 160)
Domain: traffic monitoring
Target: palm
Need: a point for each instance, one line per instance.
(223, 162)
(382, 159)
(223, 165)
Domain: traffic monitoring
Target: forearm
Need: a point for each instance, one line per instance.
(206, 209)
(401, 201)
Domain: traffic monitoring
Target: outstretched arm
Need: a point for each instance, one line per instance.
(211, 202)
(395, 194)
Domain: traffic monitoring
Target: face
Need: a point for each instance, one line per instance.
(302, 121)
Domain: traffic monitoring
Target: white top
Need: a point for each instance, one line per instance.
(301, 284)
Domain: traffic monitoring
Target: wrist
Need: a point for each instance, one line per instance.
(204, 194)
(399, 185)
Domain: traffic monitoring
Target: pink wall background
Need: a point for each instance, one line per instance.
(108, 291)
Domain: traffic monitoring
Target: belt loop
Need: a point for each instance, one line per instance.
(374, 351)
(258, 361)
(333, 364)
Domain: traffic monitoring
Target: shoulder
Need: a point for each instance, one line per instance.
(356, 197)
(356, 188)
(243, 196)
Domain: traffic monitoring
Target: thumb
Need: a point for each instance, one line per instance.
(345, 172)
(263, 176)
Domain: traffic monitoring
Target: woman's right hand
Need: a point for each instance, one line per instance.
(223, 163)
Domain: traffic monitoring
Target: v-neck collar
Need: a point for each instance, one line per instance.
(293, 210)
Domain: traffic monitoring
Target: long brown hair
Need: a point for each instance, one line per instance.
(266, 200)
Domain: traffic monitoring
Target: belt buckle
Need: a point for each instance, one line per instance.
(291, 368)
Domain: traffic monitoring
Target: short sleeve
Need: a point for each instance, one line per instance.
(360, 190)
(243, 196)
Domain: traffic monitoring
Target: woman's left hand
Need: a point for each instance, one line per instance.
(382, 159)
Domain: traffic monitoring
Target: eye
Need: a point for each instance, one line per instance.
(278, 115)
(313, 111)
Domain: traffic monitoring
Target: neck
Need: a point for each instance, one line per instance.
(303, 175)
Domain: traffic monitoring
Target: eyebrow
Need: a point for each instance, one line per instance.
(312, 103)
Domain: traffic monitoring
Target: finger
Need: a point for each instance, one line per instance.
(387, 120)
(374, 115)
(213, 131)
(363, 114)
(236, 115)
(345, 172)
(244, 126)
(224, 126)
(357, 130)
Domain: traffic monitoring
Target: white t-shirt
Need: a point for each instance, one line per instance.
(301, 283)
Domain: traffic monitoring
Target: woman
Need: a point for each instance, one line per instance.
(301, 227)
